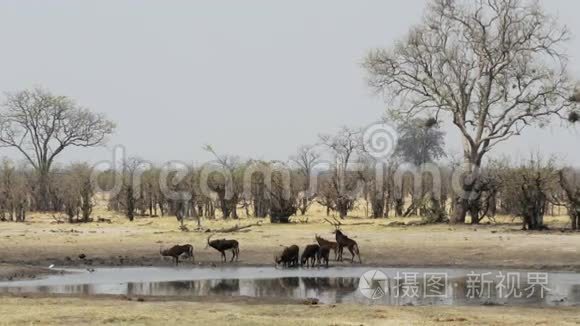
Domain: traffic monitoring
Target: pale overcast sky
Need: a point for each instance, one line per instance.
(252, 78)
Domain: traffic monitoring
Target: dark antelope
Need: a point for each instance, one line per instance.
(344, 241)
(177, 251)
(288, 257)
(322, 256)
(350, 244)
(309, 255)
(329, 244)
(222, 245)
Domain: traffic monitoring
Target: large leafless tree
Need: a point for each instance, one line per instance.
(492, 67)
(305, 160)
(343, 182)
(41, 125)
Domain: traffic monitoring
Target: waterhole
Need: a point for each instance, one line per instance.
(402, 286)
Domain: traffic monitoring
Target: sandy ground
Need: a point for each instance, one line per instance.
(110, 310)
(27, 249)
(39, 243)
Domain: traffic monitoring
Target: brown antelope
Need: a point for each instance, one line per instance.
(344, 241)
(350, 244)
(329, 244)
(177, 251)
(222, 245)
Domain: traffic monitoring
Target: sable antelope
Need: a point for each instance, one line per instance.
(288, 257)
(350, 244)
(343, 241)
(329, 244)
(309, 255)
(222, 245)
(177, 251)
(322, 255)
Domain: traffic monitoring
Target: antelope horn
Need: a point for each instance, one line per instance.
(329, 222)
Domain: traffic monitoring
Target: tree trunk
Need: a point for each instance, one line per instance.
(130, 204)
(43, 195)
(399, 206)
(472, 162)
(342, 213)
(574, 217)
(303, 206)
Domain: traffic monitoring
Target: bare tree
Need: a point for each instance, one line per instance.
(128, 199)
(305, 159)
(227, 185)
(570, 183)
(283, 194)
(82, 174)
(491, 67)
(527, 189)
(14, 190)
(344, 147)
(419, 143)
(41, 125)
(378, 184)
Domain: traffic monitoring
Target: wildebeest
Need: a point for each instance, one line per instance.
(309, 255)
(222, 245)
(288, 257)
(326, 243)
(322, 256)
(177, 251)
(350, 244)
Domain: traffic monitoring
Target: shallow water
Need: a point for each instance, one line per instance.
(407, 286)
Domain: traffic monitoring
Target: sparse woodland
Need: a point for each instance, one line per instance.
(490, 69)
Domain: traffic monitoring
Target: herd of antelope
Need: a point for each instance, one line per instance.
(315, 254)
(221, 245)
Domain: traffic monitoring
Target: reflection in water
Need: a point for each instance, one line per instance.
(331, 289)
(456, 290)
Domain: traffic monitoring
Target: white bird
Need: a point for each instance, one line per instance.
(51, 266)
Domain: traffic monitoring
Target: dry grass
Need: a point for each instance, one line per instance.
(82, 311)
(39, 242)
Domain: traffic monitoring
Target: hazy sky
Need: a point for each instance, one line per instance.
(252, 78)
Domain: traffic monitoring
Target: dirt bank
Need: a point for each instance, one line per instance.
(18, 272)
(39, 243)
(150, 311)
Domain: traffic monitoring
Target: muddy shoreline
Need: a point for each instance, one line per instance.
(16, 270)
(28, 250)
(149, 298)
